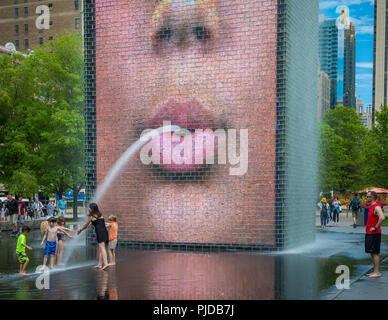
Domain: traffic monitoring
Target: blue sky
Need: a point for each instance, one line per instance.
(361, 13)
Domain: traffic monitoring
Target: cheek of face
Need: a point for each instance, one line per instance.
(233, 72)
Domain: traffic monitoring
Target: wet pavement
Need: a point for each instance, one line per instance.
(307, 272)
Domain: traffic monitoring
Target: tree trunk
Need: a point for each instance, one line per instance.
(75, 206)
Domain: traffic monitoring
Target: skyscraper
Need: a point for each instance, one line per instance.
(323, 94)
(328, 55)
(350, 67)
(380, 52)
(359, 105)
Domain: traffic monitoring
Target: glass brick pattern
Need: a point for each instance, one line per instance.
(269, 213)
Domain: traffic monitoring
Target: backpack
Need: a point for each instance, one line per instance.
(355, 205)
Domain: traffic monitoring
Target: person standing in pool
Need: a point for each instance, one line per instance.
(21, 250)
(61, 239)
(51, 234)
(97, 220)
(373, 233)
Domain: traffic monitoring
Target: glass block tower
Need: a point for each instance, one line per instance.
(245, 70)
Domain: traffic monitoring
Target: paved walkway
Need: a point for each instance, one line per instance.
(362, 288)
(345, 224)
(365, 288)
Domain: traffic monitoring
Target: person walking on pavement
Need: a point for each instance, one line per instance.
(323, 205)
(336, 210)
(355, 206)
(22, 213)
(373, 233)
(12, 207)
(50, 208)
(61, 206)
(38, 208)
(331, 209)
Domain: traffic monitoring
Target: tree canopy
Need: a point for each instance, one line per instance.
(377, 150)
(42, 118)
(342, 151)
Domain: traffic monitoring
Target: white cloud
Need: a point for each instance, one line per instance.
(364, 65)
(329, 4)
(364, 30)
(364, 76)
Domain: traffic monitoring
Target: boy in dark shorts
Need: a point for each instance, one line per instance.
(51, 244)
(373, 233)
(21, 250)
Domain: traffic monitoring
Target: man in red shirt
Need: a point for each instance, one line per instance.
(373, 233)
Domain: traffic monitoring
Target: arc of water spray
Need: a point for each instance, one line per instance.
(127, 155)
(114, 172)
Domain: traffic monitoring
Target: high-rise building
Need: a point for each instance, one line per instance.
(359, 105)
(365, 116)
(323, 93)
(328, 55)
(19, 21)
(380, 56)
(349, 98)
(369, 108)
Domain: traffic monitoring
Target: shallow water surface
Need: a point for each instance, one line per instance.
(303, 273)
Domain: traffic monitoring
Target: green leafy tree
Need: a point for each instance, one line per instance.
(332, 160)
(377, 150)
(42, 122)
(342, 148)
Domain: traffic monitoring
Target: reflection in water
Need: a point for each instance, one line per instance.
(191, 275)
(172, 275)
(106, 284)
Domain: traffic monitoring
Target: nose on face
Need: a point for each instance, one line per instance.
(183, 22)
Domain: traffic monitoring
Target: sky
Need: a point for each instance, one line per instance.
(361, 13)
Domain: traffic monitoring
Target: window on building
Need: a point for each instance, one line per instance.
(50, 5)
(16, 29)
(40, 30)
(50, 38)
(15, 1)
(16, 12)
(77, 23)
(25, 0)
(25, 44)
(76, 5)
(25, 12)
(40, 41)
(26, 28)
(17, 44)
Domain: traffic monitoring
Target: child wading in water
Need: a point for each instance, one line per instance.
(96, 219)
(61, 239)
(113, 228)
(21, 250)
(51, 243)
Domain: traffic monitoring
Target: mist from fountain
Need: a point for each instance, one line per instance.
(79, 240)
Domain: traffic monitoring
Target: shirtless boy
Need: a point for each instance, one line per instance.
(51, 244)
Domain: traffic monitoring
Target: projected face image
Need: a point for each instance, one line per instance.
(209, 68)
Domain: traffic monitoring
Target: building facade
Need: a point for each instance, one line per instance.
(359, 105)
(349, 96)
(328, 55)
(380, 56)
(323, 94)
(27, 23)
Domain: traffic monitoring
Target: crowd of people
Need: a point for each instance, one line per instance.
(18, 211)
(330, 210)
